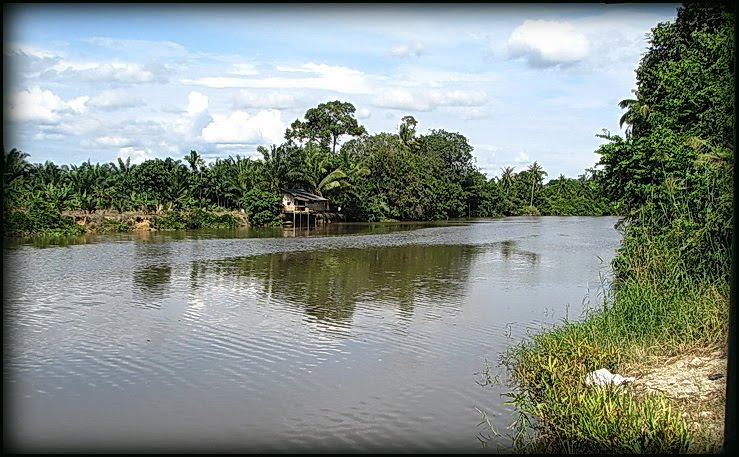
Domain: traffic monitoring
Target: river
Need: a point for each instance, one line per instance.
(350, 337)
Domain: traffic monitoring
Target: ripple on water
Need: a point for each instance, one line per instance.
(211, 338)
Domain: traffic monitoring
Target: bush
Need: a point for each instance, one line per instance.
(107, 225)
(194, 219)
(41, 218)
(262, 208)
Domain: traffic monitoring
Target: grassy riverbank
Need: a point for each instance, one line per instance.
(657, 315)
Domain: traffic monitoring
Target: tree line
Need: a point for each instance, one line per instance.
(386, 176)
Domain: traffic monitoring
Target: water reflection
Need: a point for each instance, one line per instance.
(329, 284)
(510, 251)
(152, 272)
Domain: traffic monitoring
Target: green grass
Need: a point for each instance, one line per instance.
(658, 310)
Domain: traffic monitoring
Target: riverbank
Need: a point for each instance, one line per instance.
(669, 332)
(109, 221)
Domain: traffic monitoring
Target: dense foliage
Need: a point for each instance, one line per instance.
(386, 176)
(671, 175)
(672, 172)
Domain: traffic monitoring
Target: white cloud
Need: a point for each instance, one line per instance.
(196, 103)
(42, 105)
(241, 128)
(115, 141)
(137, 155)
(327, 77)
(196, 118)
(263, 100)
(48, 136)
(407, 50)
(414, 75)
(29, 50)
(428, 100)
(363, 113)
(547, 43)
(243, 69)
(124, 72)
(521, 157)
(111, 100)
(78, 104)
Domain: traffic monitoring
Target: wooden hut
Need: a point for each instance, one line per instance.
(300, 201)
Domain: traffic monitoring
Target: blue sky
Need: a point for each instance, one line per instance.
(520, 82)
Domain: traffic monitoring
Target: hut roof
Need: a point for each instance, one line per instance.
(303, 195)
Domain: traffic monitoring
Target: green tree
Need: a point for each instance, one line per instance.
(325, 124)
(407, 130)
(670, 174)
(537, 176)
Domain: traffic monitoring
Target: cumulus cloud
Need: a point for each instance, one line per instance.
(112, 100)
(547, 43)
(196, 116)
(408, 50)
(137, 155)
(240, 128)
(428, 100)
(264, 100)
(43, 106)
(196, 103)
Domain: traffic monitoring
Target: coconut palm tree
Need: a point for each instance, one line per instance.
(636, 113)
(537, 176)
(507, 178)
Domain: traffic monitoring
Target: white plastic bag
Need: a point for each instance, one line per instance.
(604, 377)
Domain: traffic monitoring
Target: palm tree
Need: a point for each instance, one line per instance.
(635, 115)
(537, 174)
(194, 160)
(276, 170)
(242, 176)
(507, 178)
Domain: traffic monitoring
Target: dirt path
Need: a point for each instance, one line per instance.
(696, 384)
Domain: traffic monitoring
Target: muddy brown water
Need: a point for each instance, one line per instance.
(350, 337)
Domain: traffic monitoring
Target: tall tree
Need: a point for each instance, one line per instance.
(407, 130)
(537, 176)
(507, 178)
(325, 124)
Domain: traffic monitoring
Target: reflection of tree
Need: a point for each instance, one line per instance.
(152, 280)
(328, 284)
(510, 252)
